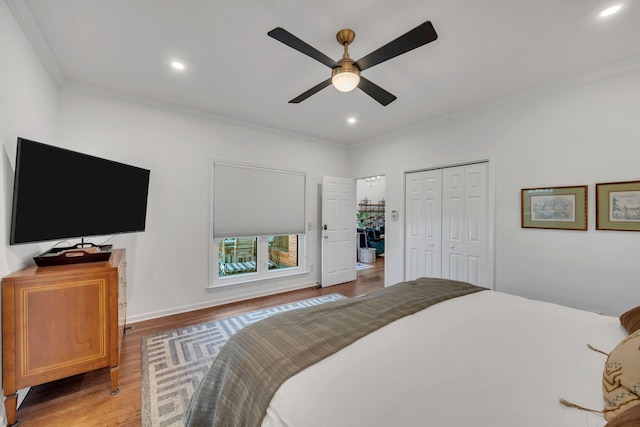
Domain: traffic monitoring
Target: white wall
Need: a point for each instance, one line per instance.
(28, 108)
(168, 267)
(584, 134)
(168, 264)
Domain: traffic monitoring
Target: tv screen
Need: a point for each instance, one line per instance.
(62, 194)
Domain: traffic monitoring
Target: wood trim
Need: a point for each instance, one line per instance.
(8, 338)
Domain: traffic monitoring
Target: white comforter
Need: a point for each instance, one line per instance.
(485, 360)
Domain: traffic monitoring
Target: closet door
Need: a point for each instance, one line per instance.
(465, 254)
(453, 223)
(423, 232)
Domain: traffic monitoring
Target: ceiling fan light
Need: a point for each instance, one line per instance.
(345, 81)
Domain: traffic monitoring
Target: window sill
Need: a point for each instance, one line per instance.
(255, 277)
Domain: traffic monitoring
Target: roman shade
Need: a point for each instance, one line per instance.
(257, 201)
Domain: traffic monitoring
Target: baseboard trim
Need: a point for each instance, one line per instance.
(218, 302)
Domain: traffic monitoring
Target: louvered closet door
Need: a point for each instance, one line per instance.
(423, 235)
(465, 224)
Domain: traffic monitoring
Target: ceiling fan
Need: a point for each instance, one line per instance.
(345, 74)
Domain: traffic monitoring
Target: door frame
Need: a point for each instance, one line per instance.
(386, 218)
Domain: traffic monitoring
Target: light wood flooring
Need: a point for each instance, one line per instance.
(84, 400)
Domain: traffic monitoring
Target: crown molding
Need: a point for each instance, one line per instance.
(192, 112)
(35, 35)
(23, 14)
(612, 70)
(604, 72)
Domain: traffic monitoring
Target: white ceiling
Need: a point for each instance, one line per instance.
(487, 51)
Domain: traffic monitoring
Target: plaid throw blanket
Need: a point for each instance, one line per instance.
(259, 358)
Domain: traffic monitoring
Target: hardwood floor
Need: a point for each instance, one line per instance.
(84, 400)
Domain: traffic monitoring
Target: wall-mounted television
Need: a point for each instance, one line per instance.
(61, 194)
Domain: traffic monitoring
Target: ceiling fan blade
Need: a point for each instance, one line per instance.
(317, 88)
(376, 92)
(290, 40)
(421, 35)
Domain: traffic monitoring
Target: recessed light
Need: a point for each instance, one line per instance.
(351, 120)
(177, 65)
(610, 10)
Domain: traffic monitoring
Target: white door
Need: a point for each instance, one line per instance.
(453, 223)
(476, 227)
(338, 230)
(447, 224)
(423, 236)
(465, 245)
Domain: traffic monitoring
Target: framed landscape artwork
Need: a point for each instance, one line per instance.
(618, 206)
(560, 208)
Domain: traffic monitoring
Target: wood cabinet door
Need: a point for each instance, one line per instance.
(61, 328)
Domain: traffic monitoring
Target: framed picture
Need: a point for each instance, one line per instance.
(618, 206)
(560, 208)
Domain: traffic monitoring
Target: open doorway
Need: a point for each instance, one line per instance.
(370, 243)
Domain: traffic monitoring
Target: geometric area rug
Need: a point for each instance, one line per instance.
(174, 362)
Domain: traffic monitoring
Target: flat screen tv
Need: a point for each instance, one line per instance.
(61, 194)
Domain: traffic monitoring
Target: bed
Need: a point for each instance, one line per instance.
(474, 357)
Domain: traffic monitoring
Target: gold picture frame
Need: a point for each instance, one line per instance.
(559, 208)
(618, 206)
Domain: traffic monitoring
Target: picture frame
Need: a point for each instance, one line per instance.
(559, 208)
(618, 206)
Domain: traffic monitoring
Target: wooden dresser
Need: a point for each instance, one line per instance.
(61, 321)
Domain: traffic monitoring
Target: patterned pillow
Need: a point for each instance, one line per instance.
(631, 320)
(621, 377)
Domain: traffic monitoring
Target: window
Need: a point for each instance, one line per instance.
(264, 209)
(244, 259)
(240, 255)
(283, 252)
